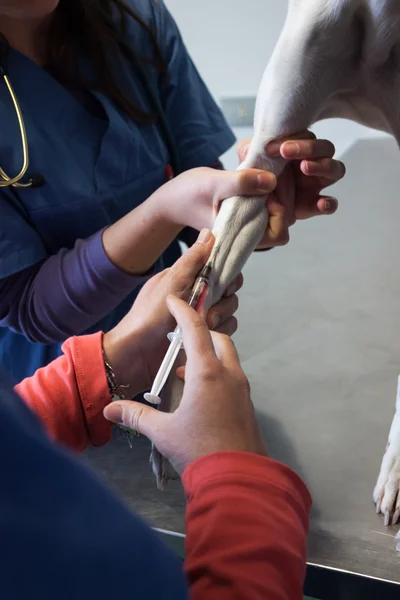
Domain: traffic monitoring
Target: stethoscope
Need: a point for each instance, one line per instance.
(5, 180)
(37, 180)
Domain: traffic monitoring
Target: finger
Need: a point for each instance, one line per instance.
(248, 182)
(274, 147)
(307, 149)
(181, 372)
(184, 272)
(327, 205)
(136, 416)
(225, 350)
(221, 312)
(324, 205)
(196, 336)
(242, 148)
(325, 168)
(277, 233)
(235, 286)
(229, 327)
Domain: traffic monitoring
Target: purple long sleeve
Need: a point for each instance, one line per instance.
(66, 294)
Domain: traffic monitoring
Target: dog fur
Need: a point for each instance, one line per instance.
(334, 58)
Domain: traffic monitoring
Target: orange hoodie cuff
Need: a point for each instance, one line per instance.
(87, 355)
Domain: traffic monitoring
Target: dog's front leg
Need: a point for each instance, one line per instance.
(170, 399)
(294, 91)
(239, 227)
(241, 222)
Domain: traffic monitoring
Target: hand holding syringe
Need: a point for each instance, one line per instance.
(196, 300)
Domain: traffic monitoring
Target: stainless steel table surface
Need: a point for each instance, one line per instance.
(319, 338)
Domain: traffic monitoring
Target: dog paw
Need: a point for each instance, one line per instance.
(162, 469)
(387, 489)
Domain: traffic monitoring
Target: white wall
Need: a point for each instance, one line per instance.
(230, 41)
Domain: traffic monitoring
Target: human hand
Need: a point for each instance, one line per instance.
(216, 413)
(298, 191)
(136, 346)
(194, 197)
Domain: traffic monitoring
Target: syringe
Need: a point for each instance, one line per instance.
(196, 300)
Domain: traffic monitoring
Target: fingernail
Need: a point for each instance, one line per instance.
(204, 236)
(265, 182)
(329, 205)
(273, 148)
(291, 150)
(114, 413)
(244, 149)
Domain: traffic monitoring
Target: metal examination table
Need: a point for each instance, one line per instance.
(320, 342)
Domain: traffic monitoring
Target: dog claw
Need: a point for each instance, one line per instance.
(378, 505)
(387, 518)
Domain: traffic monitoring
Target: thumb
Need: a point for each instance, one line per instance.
(185, 270)
(136, 416)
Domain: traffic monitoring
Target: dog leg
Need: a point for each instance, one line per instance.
(170, 399)
(387, 490)
(241, 222)
(297, 88)
(238, 228)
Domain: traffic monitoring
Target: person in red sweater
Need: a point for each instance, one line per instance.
(247, 515)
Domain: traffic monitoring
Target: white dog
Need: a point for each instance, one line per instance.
(334, 58)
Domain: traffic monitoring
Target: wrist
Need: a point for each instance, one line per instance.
(134, 243)
(122, 353)
(165, 207)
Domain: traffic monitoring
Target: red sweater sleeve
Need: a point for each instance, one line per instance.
(246, 527)
(69, 394)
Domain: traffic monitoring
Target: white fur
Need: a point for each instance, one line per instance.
(334, 58)
(387, 489)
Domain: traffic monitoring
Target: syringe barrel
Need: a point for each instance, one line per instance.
(200, 288)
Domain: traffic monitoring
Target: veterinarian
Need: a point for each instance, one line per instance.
(112, 107)
(67, 536)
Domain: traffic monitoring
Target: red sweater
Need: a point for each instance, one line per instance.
(247, 515)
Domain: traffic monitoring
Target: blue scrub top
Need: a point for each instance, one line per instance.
(95, 170)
